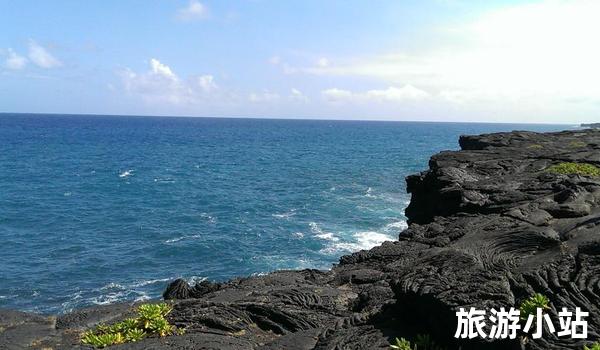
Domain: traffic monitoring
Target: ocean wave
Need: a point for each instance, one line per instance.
(114, 292)
(111, 298)
(211, 219)
(360, 241)
(174, 240)
(396, 226)
(126, 173)
(166, 180)
(192, 280)
(316, 230)
(286, 215)
(149, 282)
(369, 193)
(111, 285)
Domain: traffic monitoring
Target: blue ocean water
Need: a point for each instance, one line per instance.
(99, 209)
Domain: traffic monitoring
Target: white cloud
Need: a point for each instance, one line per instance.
(407, 92)
(297, 95)
(262, 97)
(195, 10)
(536, 55)
(391, 94)
(336, 95)
(41, 57)
(15, 61)
(162, 70)
(323, 62)
(274, 60)
(161, 85)
(207, 83)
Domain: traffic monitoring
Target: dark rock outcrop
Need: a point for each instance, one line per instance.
(489, 226)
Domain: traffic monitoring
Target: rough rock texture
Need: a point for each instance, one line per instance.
(489, 226)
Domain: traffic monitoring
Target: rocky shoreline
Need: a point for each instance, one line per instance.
(488, 227)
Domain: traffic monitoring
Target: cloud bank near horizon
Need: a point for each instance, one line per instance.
(535, 60)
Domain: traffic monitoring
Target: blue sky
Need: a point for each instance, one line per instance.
(441, 60)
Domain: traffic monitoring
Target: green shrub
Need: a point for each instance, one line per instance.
(134, 334)
(150, 321)
(568, 168)
(530, 305)
(422, 342)
(595, 346)
(401, 344)
(102, 340)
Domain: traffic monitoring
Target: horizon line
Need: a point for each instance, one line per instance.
(282, 118)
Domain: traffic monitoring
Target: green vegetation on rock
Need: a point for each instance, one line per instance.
(150, 321)
(530, 305)
(595, 346)
(422, 342)
(401, 344)
(568, 168)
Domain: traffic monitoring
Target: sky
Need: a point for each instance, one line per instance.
(438, 60)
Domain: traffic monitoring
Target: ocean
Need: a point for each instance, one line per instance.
(101, 209)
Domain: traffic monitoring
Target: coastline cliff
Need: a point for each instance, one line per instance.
(510, 215)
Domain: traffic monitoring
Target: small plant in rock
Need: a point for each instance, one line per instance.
(422, 342)
(134, 334)
(150, 321)
(595, 346)
(529, 306)
(569, 168)
(102, 340)
(401, 344)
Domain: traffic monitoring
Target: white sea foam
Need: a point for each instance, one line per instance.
(166, 180)
(112, 285)
(396, 226)
(126, 173)
(298, 234)
(143, 296)
(114, 297)
(316, 230)
(360, 240)
(148, 282)
(211, 219)
(285, 215)
(173, 240)
(369, 193)
(192, 280)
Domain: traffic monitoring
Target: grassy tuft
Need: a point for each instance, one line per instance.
(595, 346)
(568, 168)
(530, 305)
(401, 344)
(422, 342)
(150, 321)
